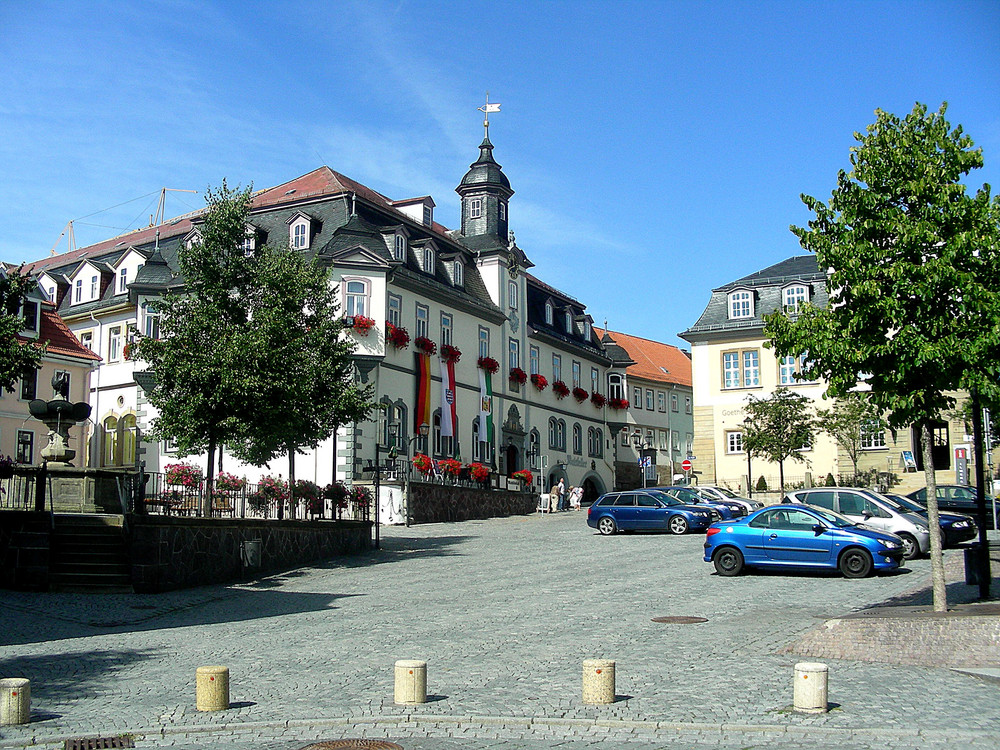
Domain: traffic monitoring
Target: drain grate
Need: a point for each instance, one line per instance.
(680, 620)
(98, 743)
(354, 745)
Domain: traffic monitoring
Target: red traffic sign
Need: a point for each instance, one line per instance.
(686, 465)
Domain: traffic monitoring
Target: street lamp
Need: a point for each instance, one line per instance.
(642, 448)
(422, 431)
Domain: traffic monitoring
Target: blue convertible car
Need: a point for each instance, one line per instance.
(800, 536)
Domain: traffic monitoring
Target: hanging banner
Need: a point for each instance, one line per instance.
(422, 414)
(485, 406)
(449, 409)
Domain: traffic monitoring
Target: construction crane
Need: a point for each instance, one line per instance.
(72, 238)
(158, 218)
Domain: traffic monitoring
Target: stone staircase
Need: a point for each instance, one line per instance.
(89, 553)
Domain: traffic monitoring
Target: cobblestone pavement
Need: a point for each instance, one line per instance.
(504, 611)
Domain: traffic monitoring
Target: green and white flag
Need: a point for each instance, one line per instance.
(485, 406)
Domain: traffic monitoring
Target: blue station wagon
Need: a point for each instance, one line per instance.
(803, 537)
(638, 510)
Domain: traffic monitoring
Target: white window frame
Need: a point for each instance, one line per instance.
(793, 297)
(298, 234)
(534, 357)
(78, 291)
(512, 294)
(513, 353)
(151, 324)
(740, 369)
(447, 328)
(734, 442)
(422, 315)
(114, 343)
(476, 208)
(95, 286)
(577, 370)
(429, 260)
(399, 247)
(649, 399)
(873, 435)
(556, 367)
(549, 313)
(87, 339)
(661, 402)
(740, 304)
(394, 307)
(123, 280)
(357, 300)
(503, 211)
(484, 341)
(459, 273)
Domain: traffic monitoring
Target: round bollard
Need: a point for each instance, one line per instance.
(212, 688)
(810, 691)
(15, 701)
(598, 681)
(411, 682)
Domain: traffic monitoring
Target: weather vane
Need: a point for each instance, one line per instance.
(495, 107)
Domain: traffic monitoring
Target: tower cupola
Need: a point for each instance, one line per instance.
(485, 191)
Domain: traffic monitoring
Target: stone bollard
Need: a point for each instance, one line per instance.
(411, 682)
(15, 700)
(598, 681)
(212, 688)
(810, 690)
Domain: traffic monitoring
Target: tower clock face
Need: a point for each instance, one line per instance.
(512, 269)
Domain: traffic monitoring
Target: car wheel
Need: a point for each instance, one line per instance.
(855, 563)
(677, 525)
(607, 526)
(910, 547)
(728, 561)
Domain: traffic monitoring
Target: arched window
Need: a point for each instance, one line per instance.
(399, 248)
(535, 448)
(429, 260)
(355, 298)
(128, 439)
(109, 449)
(615, 387)
(577, 439)
(548, 313)
(561, 434)
(553, 433)
(459, 273)
(740, 304)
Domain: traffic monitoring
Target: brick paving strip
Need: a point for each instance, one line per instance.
(504, 611)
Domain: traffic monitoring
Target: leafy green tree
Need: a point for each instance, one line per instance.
(848, 420)
(203, 386)
(16, 358)
(302, 363)
(778, 428)
(914, 282)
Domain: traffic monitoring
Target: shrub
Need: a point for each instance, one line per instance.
(185, 475)
(761, 484)
(229, 482)
(830, 481)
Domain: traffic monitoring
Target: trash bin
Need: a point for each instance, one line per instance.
(971, 565)
(251, 553)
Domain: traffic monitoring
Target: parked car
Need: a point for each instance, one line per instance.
(868, 507)
(639, 510)
(955, 527)
(691, 496)
(722, 493)
(956, 498)
(800, 537)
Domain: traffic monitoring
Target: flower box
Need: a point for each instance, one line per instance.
(538, 380)
(425, 345)
(423, 463)
(362, 325)
(450, 466)
(618, 403)
(397, 335)
(580, 394)
(450, 353)
(598, 400)
(489, 364)
(183, 475)
(517, 375)
(524, 475)
(560, 389)
(479, 472)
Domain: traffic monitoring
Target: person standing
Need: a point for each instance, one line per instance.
(560, 494)
(575, 497)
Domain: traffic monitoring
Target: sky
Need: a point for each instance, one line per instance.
(657, 149)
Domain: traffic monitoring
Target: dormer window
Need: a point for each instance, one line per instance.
(299, 231)
(793, 297)
(475, 208)
(569, 321)
(30, 312)
(740, 304)
(78, 292)
(194, 238)
(586, 330)
(399, 247)
(428, 261)
(94, 286)
(459, 273)
(122, 280)
(503, 211)
(428, 215)
(249, 241)
(548, 314)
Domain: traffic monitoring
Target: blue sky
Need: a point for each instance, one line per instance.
(657, 149)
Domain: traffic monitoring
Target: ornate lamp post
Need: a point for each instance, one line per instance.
(422, 432)
(643, 447)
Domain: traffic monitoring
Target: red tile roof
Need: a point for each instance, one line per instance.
(650, 356)
(61, 339)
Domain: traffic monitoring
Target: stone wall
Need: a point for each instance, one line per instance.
(434, 503)
(24, 550)
(170, 553)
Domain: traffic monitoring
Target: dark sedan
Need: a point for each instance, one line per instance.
(691, 496)
(956, 498)
(955, 527)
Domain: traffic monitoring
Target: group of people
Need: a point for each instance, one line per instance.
(563, 500)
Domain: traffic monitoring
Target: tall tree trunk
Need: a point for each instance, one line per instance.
(939, 589)
(781, 477)
(292, 500)
(206, 498)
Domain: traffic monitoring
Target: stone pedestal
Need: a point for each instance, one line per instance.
(598, 681)
(411, 682)
(212, 688)
(15, 701)
(810, 691)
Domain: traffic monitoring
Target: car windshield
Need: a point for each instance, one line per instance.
(726, 493)
(909, 505)
(834, 519)
(665, 498)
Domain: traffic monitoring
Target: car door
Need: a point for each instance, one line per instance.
(792, 538)
(649, 513)
(865, 510)
(625, 512)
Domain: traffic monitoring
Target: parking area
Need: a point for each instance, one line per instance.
(504, 611)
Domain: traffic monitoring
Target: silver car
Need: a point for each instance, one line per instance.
(713, 492)
(869, 508)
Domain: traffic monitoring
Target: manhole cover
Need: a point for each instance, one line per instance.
(680, 620)
(97, 743)
(354, 745)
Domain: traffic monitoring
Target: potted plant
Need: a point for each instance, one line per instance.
(188, 476)
(362, 325)
(423, 463)
(397, 335)
(450, 353)
(309, 493)
(273, 491)
(425, 345)
(450, 466)
(580, 394)
(598, 400)
(517, 375)
(560, 389)
(7, 465)
(361, 495)
(489, 364)
(229, 482)
(524, 475)
(539, 381)
(478, 472)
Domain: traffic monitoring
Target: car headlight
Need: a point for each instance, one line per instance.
(960, 524)
(888, 543)
(920, 529)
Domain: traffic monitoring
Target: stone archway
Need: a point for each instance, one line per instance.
(593, 488)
